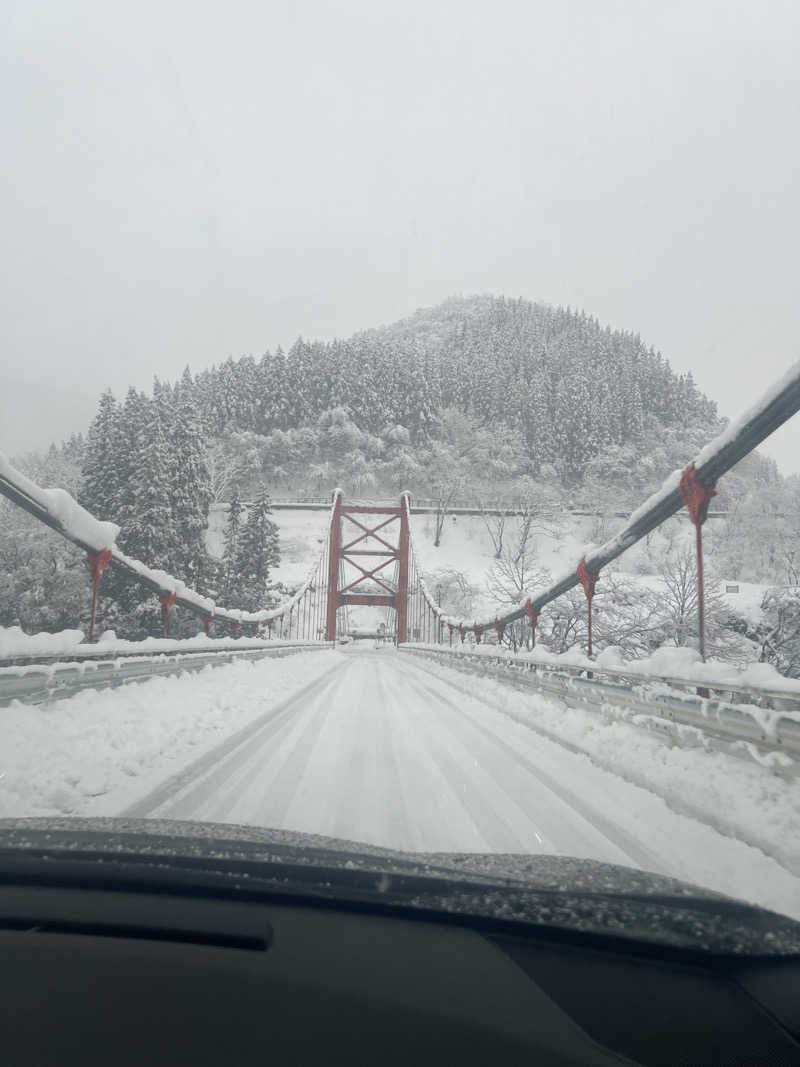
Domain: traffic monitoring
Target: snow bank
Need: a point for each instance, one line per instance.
(14, 642)
(685, 664)
(739, 799)
(747, 601)
(97, 752)
(682, 666)
(198, 643)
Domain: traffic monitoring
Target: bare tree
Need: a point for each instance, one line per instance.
(678, 572)
(225, 470)
(791, 562)
(625, 615)
(515, 574)
(678, 600)
(495, 523)
(453, 591)
(563, 622)
(444, 494)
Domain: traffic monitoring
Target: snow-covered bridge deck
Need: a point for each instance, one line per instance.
(380, 750)
(373, 746)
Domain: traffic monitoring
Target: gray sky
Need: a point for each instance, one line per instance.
(184, 182)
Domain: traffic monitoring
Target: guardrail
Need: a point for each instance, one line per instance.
(744, 730)
(432, 507)
(51, 678)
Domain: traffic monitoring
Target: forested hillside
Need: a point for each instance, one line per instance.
(476, 400)
(546, 390)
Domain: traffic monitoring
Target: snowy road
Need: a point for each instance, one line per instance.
(394, 750)
(385, 749)
(382, 752)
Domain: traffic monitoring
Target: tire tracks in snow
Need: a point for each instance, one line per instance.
(216, 764)
(638, 853)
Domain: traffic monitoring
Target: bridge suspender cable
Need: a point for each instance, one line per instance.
(692, 487)
(58, 510)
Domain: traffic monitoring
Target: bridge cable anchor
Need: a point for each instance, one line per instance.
(533, 618)
(697, 497)
(167, 604)
(98, 562)
(588, 580)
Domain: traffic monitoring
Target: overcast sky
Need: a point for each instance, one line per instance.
(185, 182)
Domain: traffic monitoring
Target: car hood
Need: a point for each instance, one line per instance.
(553, 892)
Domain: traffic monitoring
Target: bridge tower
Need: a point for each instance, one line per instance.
(361, 534)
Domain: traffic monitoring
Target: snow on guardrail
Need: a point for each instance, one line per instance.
(39, 680)
(680, 667)
(769, 736)
(15, 645)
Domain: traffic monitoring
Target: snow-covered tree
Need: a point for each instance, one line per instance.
(258, 554)
(100, 487)
(230, 553)
(779, 634)
(190, 487)
(44, 580)
(149, 532)
(452, 591)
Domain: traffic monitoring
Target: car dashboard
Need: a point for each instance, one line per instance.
(112, 976)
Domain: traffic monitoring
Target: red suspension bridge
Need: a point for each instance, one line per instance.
(395, 749)
(369, 559)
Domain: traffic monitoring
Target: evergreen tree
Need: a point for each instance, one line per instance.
(230, 555)
(190, 487)
(131, 441)
(149, 532)
(258, 552)
(100, 486)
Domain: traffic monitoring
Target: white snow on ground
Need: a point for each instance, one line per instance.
(99, 750)
(741, 799)
(302, 537)
(744, 598)
(394, 752)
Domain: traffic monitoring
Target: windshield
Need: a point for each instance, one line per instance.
(397, 430)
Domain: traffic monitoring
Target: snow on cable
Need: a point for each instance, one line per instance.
(61, 511)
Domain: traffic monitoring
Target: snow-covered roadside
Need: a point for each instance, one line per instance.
(15, 644)
(737, 798)
(95, 753)
(668, 663)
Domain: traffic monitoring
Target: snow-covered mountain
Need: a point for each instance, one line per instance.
(476, 401)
